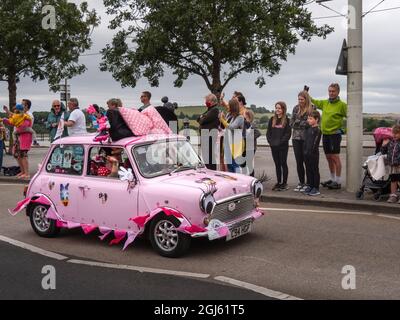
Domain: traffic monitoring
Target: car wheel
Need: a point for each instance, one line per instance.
(166, 240)
(43, 226)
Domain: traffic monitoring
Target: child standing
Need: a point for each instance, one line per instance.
(278, 136)
(311, 153)
(392, 149)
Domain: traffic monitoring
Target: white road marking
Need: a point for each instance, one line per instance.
(334, 212)
(140, 269)
(264, 291)
(388, 217)
(33, 249)
(319, 211)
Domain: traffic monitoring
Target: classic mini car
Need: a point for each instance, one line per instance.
(155, 186)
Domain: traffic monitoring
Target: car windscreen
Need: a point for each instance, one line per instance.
(162, 158)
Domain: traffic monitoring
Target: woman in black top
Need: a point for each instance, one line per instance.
(299, 125)
(278, 136)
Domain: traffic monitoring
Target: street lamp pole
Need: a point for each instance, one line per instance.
(354, 95)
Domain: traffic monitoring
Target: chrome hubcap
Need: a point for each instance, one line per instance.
(166, 235)
(42, 223)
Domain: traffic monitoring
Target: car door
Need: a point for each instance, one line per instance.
(61, 178)
(107, 201)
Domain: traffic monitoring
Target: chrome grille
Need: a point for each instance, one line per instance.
(243, 205)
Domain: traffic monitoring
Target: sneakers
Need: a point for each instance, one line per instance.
(334, 186)
(276, 187)
(283, 187)
(307, 190)
(326, 183)
(314, 192)
(393, 198)
(299, 187)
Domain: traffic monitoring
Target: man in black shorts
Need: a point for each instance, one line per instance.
(334, 111)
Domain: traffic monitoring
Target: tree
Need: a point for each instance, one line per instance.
(31, 47)
(214, 39)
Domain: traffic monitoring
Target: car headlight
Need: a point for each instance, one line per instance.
(257, 189)
(207, 203)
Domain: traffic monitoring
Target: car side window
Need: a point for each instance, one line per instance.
(66, 159)
(106, 161)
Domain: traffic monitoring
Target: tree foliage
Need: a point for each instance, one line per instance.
(214, 39)
(29, 50)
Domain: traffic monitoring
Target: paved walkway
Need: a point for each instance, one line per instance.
(264, 163)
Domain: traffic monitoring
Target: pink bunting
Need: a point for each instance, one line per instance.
(140, 221)
(119, 236)
(172, 212)
(195, 229)
(51, 214)
(73, 225)
(87, 229)
(20, 206)
(61, 224)
(42, 200)
(105, 235)
(131, 237)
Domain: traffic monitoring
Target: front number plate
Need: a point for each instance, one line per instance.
(239, 231)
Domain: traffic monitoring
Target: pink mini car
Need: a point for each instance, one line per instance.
(155, 185)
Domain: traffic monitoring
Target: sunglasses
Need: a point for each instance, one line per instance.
(56, 105)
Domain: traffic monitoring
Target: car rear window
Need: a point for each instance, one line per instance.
(66, 159)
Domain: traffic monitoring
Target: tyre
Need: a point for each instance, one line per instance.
(44, 227)
(165, 239)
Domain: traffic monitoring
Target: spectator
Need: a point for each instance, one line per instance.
(299, 124)
(392, 149)
(311, 153)
(278, 136)
(242, 104)
(23, 141)
(209, 124)
(53, 119)
(118, 127)
(76, 123)
(251, 133)
(27, 108)
(233, 142)
(334, 111)
(145, 99)
(17, 118)
(2, 139)
(235, 96)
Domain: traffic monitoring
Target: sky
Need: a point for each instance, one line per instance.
(313, 64)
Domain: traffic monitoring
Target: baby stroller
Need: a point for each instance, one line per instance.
(379, 187)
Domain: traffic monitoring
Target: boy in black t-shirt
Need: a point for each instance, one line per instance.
(311, 153)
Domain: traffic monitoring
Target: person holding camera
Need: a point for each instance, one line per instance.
(299, 124)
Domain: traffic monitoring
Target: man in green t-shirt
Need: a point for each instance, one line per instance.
(334, 111)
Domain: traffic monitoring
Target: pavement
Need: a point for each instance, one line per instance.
(264, 164)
